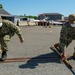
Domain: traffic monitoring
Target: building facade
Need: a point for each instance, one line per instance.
(5, 15)
(51, 16)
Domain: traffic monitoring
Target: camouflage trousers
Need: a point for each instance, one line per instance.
(4, 41)
(64, 45)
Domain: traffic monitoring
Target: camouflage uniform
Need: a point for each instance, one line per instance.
(67, 34)
(8, 30)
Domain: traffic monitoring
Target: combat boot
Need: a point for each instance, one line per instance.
(57, 47)
(74, 55)
(4, 56)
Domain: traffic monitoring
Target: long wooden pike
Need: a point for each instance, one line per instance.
(10, 60)
(65, 60)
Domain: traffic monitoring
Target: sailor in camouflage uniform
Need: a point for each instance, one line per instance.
(67, 34)
(7, 30)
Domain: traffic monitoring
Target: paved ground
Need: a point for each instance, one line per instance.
(37, 44)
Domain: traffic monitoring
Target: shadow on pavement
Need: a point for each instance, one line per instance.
(44, 58)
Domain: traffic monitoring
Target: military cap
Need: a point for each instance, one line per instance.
(71, 17)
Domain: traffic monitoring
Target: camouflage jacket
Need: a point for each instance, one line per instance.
(9, 28)
(67, 33)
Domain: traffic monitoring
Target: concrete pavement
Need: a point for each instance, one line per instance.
(37, 44)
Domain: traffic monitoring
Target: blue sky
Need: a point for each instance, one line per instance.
(36, 7)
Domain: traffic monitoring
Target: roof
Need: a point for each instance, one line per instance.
(51, 14)
(4, 12)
